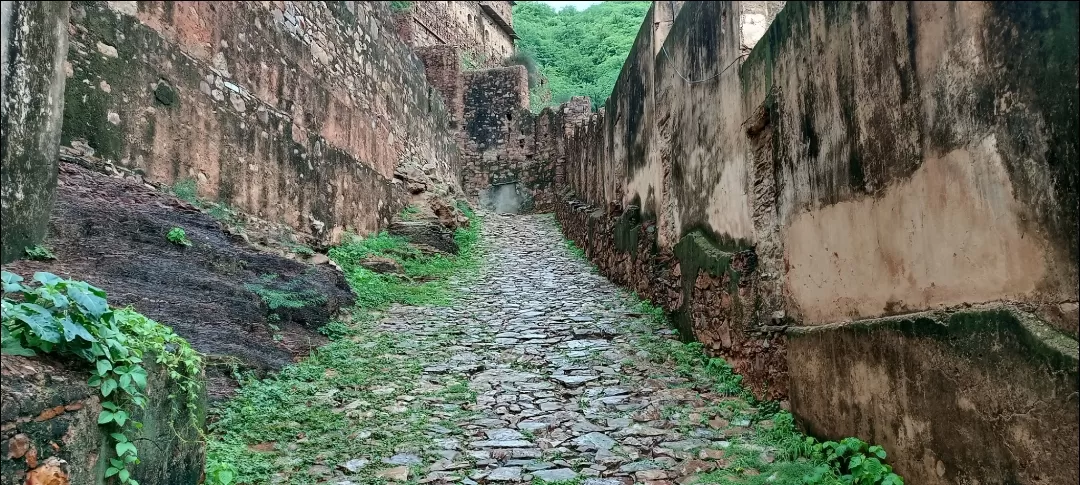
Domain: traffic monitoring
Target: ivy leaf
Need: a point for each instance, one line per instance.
(125, 381)
(113, 470)
(116, 463)
(124, 447)
(46, 278)
(103, 366)
(225, 476)
(93, 304)
(12, 281)
(107, 387)
(119, 437)
(74, 330)
(121, 417)
(111, 406)
(14, 347)
(106, 417)
(138, 374)
(125, 475)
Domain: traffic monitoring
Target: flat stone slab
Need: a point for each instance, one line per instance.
(501, 444)
(574, 381)
(595, 441)
(555, 475)
(504, 434)
(505, 474)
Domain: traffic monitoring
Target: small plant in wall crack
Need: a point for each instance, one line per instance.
(73, 318)
(178, 237)
(39, 253)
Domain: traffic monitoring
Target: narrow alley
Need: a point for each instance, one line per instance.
(541, 370)
(496, 242)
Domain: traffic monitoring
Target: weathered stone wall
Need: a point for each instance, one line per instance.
(482, 31)
(33, 43)
(442, 64)
(863, 160)
(51, 436)
(498, 136)
(312, 139)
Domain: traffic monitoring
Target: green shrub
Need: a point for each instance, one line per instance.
(409, 212)
(178, 237)
(186, 190)
(424, 281)
(72, 318)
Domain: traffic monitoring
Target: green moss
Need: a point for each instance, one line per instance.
(342, 12)
(165, 94)
(627, 231)
(86, 116)
(698, 252)
(979, 334)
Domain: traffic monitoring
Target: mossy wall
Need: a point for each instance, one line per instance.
(34, 42)
(862, 160)
(982, 395)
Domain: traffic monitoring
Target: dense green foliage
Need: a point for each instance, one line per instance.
(72, 318)
(39, 253)
(424, 278)
(579, 53)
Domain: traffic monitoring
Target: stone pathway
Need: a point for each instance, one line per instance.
(563, 391)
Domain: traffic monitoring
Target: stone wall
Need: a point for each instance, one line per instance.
(509, 152)
(794, 204)
(482, 31)
(498, 138)
(311, 139)
(33, 43)
(51, 436)
(442, 64)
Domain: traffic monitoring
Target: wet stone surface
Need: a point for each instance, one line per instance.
(561, 392)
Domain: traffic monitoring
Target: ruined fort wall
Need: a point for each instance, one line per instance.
(294, 112)
(901, 166)
(482, 31)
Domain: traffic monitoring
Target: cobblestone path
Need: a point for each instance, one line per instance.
(564, 391)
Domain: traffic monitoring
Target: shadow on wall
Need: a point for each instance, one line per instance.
(506, 198)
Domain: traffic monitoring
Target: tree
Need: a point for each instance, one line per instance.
(578, 53)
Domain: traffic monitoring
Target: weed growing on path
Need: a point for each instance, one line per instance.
(425, 281)
(789, 456)
(358, 397)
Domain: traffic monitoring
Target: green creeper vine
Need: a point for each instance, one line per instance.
(73, 318)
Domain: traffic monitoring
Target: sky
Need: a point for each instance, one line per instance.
(578, 5)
